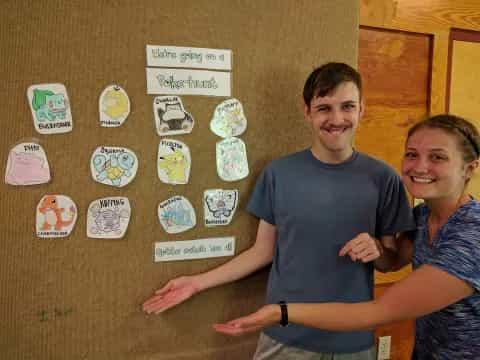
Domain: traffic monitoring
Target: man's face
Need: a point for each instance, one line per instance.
(333, 119)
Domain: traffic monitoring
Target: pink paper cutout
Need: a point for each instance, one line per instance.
(26, 169)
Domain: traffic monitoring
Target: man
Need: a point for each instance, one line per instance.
(310, 204)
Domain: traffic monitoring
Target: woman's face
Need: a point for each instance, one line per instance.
(433, 166)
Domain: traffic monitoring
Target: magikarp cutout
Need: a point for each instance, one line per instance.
(219, 206)
(174, 162)
(114, 106)
(115, 166)
(27, 164)
(50, 108)
(171, 117)
(176, 215)
(55, 216)
(232, 161)
(228, 119)
(108, 218)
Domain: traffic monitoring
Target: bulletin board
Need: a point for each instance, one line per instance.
(80, 298)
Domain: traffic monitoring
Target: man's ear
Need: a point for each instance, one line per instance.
(362, 109)
(306, 112)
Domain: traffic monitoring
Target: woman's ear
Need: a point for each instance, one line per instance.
(471, 168)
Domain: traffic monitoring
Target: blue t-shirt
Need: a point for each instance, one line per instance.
(317, 208)
(453, 332)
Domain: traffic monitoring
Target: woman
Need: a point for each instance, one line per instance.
(443, 292)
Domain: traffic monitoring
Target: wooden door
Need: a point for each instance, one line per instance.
(395, 67)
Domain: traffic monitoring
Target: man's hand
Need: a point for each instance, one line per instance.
(266, 316)
(362, 247)
(173, 293)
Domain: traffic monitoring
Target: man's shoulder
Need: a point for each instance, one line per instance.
(289, 160)
(375, 165)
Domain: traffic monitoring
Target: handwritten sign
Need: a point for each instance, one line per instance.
(188, 82)
(189, 57)
(194, 249)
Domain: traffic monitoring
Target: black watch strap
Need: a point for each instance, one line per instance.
(284, 310)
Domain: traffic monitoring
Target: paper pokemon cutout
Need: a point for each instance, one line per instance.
(232, 161)
(171, 117)
(50, 108)
(27, 165)
(114, 106)
(108, 218)
(56, 216)
(174, 162)
(228, 119)
(115, 166)
(219, 206)
(176, 215)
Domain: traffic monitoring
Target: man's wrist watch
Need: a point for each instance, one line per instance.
(284, 311)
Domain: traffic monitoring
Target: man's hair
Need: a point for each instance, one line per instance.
(327, 77)
(464, 131)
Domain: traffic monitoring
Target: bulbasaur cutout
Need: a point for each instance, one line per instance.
(50, 108)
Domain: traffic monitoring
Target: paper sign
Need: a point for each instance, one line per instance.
(170, 116)
(219, 206)
(50, 108)
(194, 249)
(188, 82)
(174, 162)
(115, 166)
(189, 57)
(232, 161)
(176, 215)
(27, 165)
(56, 216)
(114, 106)
(228, 119)
(108, 218)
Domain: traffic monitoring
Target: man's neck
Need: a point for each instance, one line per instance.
(330, 157)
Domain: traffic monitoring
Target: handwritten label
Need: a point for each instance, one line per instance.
(189, 57)
(188, 82)
(194, 249)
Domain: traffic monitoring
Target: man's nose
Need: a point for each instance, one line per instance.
(337, 116)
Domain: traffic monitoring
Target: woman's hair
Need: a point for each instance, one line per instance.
(465, 132)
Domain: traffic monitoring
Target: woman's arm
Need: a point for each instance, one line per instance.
(424, 291)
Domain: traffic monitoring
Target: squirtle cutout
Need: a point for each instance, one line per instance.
(112, 165)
